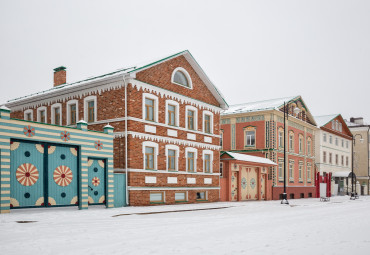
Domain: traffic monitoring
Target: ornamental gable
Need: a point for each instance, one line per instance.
(337, 125)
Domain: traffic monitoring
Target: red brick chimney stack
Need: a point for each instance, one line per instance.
(60, 76)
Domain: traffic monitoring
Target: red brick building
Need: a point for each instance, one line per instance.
(166, 117)
(257, 129)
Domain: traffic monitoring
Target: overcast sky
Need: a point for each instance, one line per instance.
(251, 50)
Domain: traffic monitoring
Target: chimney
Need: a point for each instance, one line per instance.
(60, 76)
(359, 120)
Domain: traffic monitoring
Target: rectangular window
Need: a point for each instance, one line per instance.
(157, 197)
(347, 161)
(221, 169)
(324, 137)
(221, 139)
(309, 147)
(201, 195)
(207, 123)
(330, 158)
(291, 169)
(342, 160)
(300, 144)
(171, 115)
(57, 116)
(342, 143)
(190, 161)
(281, 145)
(308, 172)
(72, 116)
(300, 171)
(280, 170)
(336, 159)
(29, 116)
(336, 141)
(149, 157)
(250, 138)
(324, 157)
(330, 139)
(191, 115)
(149, 109)
(347, 144)
(171, 160)
(291, 142)
(180, 196)
(207, 163)
(42, 116)
(91, 111)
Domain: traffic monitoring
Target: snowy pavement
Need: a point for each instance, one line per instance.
(307, 226)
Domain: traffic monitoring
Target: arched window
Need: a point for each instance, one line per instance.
(181, 77)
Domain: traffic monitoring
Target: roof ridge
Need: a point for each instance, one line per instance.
(263, 101)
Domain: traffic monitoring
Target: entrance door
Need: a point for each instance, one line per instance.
(96, 181)
(234, 186)
(249, 183)
(26, 175)
(62, 175)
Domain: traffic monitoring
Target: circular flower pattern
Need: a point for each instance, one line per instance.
(27, 174)
(98, 145)
(63, 176)
(29, 131)
(244, 183)
(96, 181)
(65, 136)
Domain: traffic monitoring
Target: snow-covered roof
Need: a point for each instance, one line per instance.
(130, 70)
(272, 104)
(341, 174)
(249, 158)
(325, 119)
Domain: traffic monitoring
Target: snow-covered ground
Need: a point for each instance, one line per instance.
(307, 226)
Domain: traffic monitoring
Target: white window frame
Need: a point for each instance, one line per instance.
(186, 196)
(86, 112)
(324, 137)
(155, 146)
(187, 75)
(280, 161)
(203, 121)
(42, 108)
(175, 148)
(300, 165)
(309, 176)
(158, 202)
(195, 151)
(205, 194)
(195, 110)
(57, 105)
(291, 176)
(155, 98)
(27, 112)
(168, 102)
(69, 103)
(210, 163)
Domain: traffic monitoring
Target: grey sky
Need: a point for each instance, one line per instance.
(251, 50)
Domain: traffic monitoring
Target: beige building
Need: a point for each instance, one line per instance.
(360, 131)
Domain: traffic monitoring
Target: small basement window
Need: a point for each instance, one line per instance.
(291, 196)
(157, 197)
(202, 195)
(309, 194)
(180, 197)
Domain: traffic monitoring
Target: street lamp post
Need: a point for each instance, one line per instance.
(286, 115)
(353, 194)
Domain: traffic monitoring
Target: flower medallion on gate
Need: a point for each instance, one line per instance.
(96, 181)
(65, 136)
(253, 183)
(29, 131)
(27, 174)
(244, 183)
(63, 175)
(98, 145)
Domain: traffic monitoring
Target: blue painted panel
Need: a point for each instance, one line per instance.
(96, 181)
(62, 176)
(119, 190)
(26, 175)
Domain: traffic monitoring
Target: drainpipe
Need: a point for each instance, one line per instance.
(126, 137)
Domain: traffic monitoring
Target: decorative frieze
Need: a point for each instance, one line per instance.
(250, 118)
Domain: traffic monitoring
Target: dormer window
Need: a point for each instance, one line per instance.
(181, 77)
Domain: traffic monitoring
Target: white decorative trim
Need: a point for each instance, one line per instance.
(156, 138)
(207, 180)
(57, 105)
(191, 180)
(195, 110)
(26, 112)
(171, 132)
(187, 75)
(173, 188)
(175, 148)
(86, 113)
(156, 109)
(174, 96)
(166, 172)
(150, 129)
(156, 150)
(172, 180)
(42, 108)
(207, 139)
(177, 115)
(150, 179)
(190, 136)
(203, 121)
(69, 103)
(190, 149)
(211, 160)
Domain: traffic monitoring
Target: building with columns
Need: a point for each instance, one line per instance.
(257, 129)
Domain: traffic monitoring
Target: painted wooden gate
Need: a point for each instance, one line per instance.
(234, 186)
(263, 186)
(43, 177)
(249, 186)
(97, 186)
